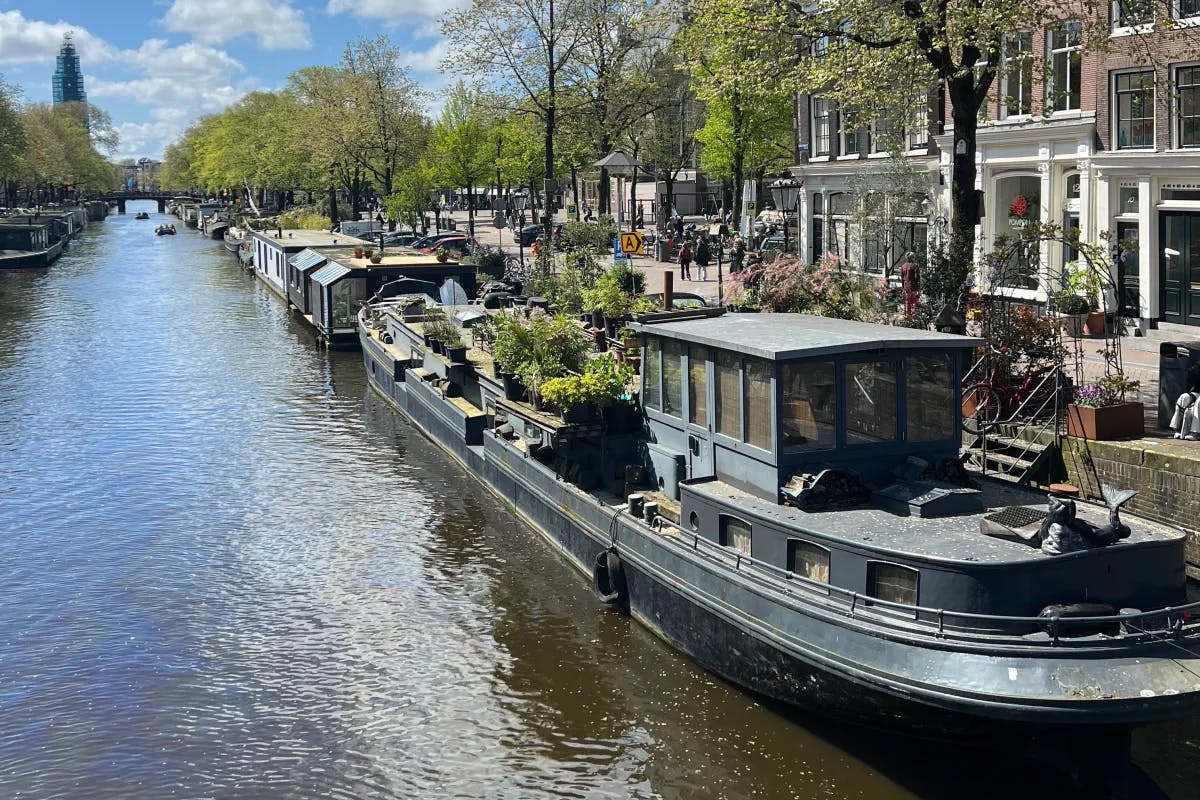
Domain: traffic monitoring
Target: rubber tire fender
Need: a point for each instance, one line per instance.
(608, 573)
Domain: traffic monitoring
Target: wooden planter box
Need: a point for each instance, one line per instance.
(1124, 421)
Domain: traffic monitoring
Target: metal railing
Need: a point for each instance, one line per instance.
(1133, 627)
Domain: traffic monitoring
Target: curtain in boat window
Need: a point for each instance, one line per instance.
(807, 416)
(652, 375)
(697, 385)
(672, 367)
(729, 394)
(758, 402)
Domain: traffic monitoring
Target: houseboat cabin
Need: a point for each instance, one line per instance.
(273, 249)
(747, 414)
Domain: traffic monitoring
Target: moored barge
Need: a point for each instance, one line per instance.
(784, 503)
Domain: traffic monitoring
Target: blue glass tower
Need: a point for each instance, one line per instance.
(68, 79)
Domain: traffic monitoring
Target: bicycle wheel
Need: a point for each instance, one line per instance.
(981, 407)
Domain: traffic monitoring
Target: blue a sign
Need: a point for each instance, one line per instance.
(617, 254)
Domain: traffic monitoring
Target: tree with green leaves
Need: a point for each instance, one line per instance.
(460, 149)
(526, 49)
(12, 138)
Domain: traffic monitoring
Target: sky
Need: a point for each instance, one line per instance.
(157, 65)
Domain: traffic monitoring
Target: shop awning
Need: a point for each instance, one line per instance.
(330, 273)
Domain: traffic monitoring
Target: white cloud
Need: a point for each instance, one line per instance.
(275, 23)
(429, 60)
(393, 10)
(31, 40)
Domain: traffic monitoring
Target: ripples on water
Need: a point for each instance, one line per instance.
(231, 572)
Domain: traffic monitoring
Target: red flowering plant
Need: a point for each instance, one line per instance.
(789, 285)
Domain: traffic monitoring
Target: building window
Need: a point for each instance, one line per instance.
(820, 46)
(1018, 74)
(697, 386)
(1135, 109)
(729, 394)
(929, 384)
(808, 559)
(1128, 13)
(849, 135)
(879, 133)
(672, 369)
(652, 375)
(736, 534)
(820, 126)
(807, 416)
(1188, 8)
(917, 133)
(1187, 83)
(1063, 84)
(892, 582)
(756, 388)
(870, 402)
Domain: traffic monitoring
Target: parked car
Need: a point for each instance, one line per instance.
(771, 243)
(530, 233)
(428, 243)
(457, 246)
(400, 239)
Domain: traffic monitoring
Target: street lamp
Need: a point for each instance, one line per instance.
(622, 166)
(333, 210)
(785, 192)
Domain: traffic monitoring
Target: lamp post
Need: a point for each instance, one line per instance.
(621, 166)
(333, 210)
(785, 192)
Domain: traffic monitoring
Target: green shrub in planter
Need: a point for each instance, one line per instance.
(1067, 302)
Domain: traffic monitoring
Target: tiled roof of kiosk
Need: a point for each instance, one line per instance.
(783, 336)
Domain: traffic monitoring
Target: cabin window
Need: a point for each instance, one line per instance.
(729, 394)
(672, 367)
(735, 533)
(870, 402)
(892, 582)
(697, 386)
(757, 386)
(809, 406)
(808, 559)
(651, 374)
(931, 415)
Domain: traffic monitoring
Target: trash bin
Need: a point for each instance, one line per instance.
(451, 224)
(662, 250)
(1175, 359)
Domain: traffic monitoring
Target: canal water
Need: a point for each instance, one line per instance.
(230, 572)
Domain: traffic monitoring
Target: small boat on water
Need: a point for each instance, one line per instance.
(141, 215)
(782, 501)
(165, 230)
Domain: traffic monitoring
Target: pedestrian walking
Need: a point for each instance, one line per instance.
(685, 261)
(640, 221)
(910, 282)
(703, 256)
(737, 254)
(587, 212)
(679, 227)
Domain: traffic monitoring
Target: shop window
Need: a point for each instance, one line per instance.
(652, 374)
(1064, 83)
(929, 384)
(809, 406)
(1018, 205)
(729, 394)
(736, 534)
(808, 559)
(1134, 103)
(892, 582)
(870, 402)
(757, 391)
(672, 370)
(697, 386)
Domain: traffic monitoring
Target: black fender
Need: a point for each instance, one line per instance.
(608, 574)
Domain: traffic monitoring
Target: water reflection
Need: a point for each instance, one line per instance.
(232, 572)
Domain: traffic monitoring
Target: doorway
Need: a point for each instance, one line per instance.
(1180, 267)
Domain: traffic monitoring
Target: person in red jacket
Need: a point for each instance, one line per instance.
(685, 261)
(910, 282)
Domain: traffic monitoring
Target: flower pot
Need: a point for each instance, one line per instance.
(457, 354)
(375, 259)
(1094, 324)
(428, 340)
(1104, 423)
(582, 413)
(514, 389)
(438, 347)
(358, 252)
(1073, 323)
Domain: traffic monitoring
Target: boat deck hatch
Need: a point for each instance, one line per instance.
(1017, 517)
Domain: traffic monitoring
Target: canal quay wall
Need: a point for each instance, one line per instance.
(1165, 472)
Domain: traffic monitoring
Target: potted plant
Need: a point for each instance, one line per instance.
(456, 351)
(1072, 309)
(577, 397)
(442, 255)
(608, 299)
(376, 258)
(537, 348)
(1085, 279)
(358, 252)
(1102, 411)
(368, 252)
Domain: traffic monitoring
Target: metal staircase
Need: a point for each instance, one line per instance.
(1023, 447)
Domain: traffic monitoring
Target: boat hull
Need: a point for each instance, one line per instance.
(826, 666)
(33, 259)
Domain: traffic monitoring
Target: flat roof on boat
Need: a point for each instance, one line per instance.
(294, 239)
(784, 336)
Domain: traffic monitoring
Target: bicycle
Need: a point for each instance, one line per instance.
(987, 403)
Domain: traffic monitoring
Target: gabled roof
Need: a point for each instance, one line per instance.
(330, 273)
(306, 260)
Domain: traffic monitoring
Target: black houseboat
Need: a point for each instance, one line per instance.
(26, 242)
(789, 510)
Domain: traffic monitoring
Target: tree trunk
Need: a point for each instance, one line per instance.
(471, 208)
(603, 195)
(739, 173)
(964, 201)
(575, 193)
(551, 110)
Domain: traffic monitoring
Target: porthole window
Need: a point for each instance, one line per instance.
(808, 559)
(892, 582)
(694, 521)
